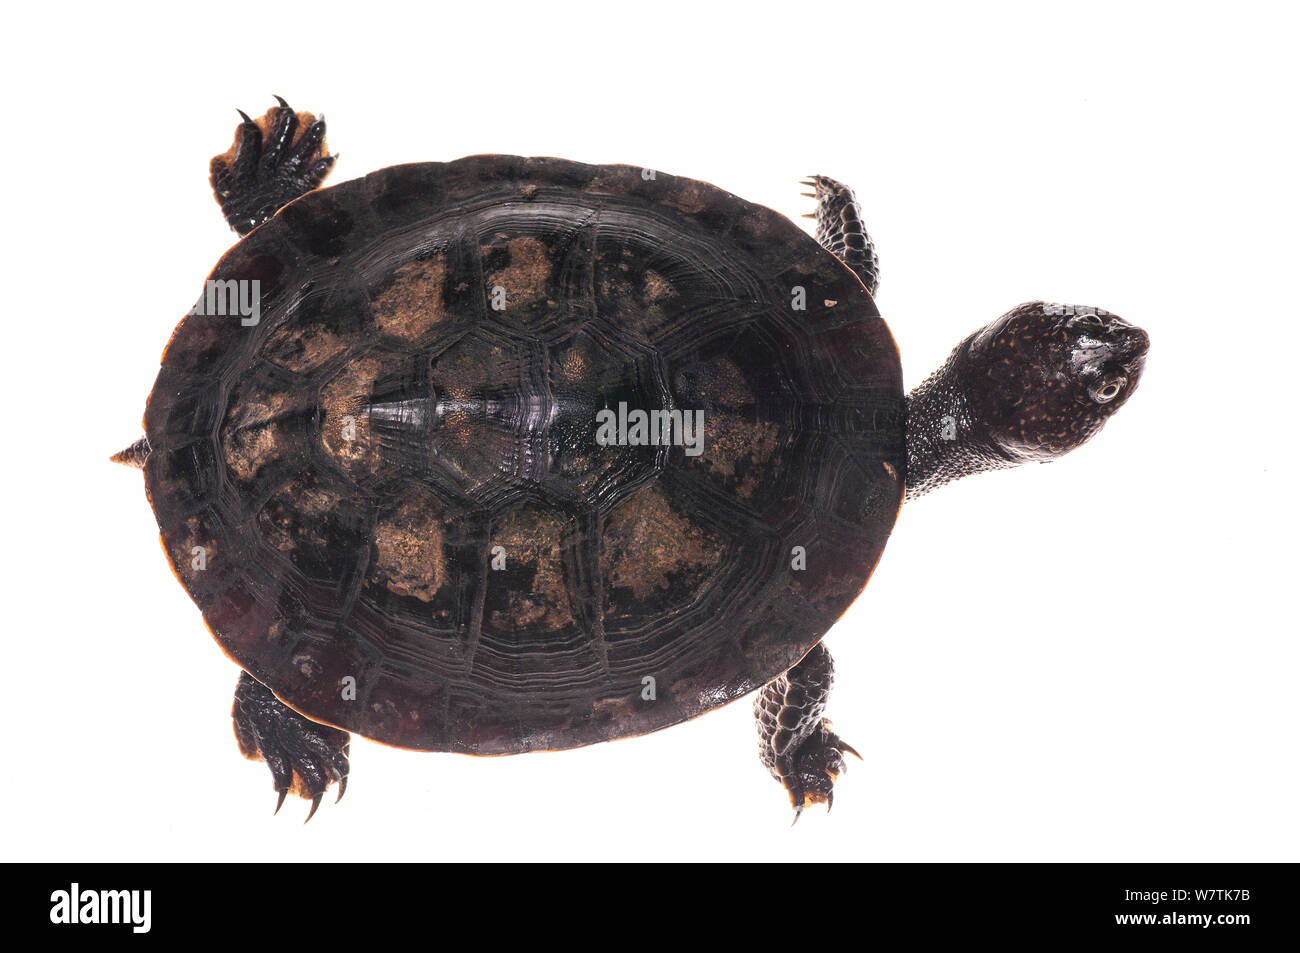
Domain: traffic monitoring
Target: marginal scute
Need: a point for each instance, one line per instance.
(690, 196)
(194, 549)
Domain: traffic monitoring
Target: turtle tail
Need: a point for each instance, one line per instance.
(134, 455)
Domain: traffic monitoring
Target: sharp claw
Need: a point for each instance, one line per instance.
(315, 803)
(244, 114)
(809, 195)
(807, 182)
(830, 799)
(280, 100)
(343, 786)
(807, 216)
(849, 749)
(280, 802)
(798, 812)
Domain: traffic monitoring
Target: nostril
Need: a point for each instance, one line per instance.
(1136, 341)
(1127, 341)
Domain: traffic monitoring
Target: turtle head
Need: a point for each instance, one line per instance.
(1043, 378)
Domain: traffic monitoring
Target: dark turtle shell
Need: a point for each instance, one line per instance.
(388, 498)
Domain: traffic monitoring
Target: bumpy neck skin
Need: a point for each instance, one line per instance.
(1030, 387)
(945, 440)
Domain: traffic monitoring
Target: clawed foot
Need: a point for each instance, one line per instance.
(840, 228)
(795, 741)
(305, 757)
(273, 161)
(813, 769)
(831, 196)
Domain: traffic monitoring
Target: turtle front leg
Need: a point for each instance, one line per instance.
(795, 743)
(304, 756)
(273, 161)
(840, 229)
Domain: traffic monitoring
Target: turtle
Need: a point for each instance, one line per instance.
(511, 454)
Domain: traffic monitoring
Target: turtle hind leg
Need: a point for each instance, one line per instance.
(795, 743)
(273, 160)
(305, 757)
(840, 229)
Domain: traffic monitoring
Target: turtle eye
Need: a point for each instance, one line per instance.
(1109, 389)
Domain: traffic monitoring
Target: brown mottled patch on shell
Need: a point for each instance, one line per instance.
(624, 296)
(727, 385)
(524, 277)
(346, 397)
(733, 443)
(411, 305)
(316, 500)
(256, 408)
(646, 542)
(250, 436)
(615, 284)
(301, 348)
(531, 540)
(247, 451)
(408, 548)
(292, 515)
(462, 374)
(657, 288)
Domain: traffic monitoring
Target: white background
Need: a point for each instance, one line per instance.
(1094, 660)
